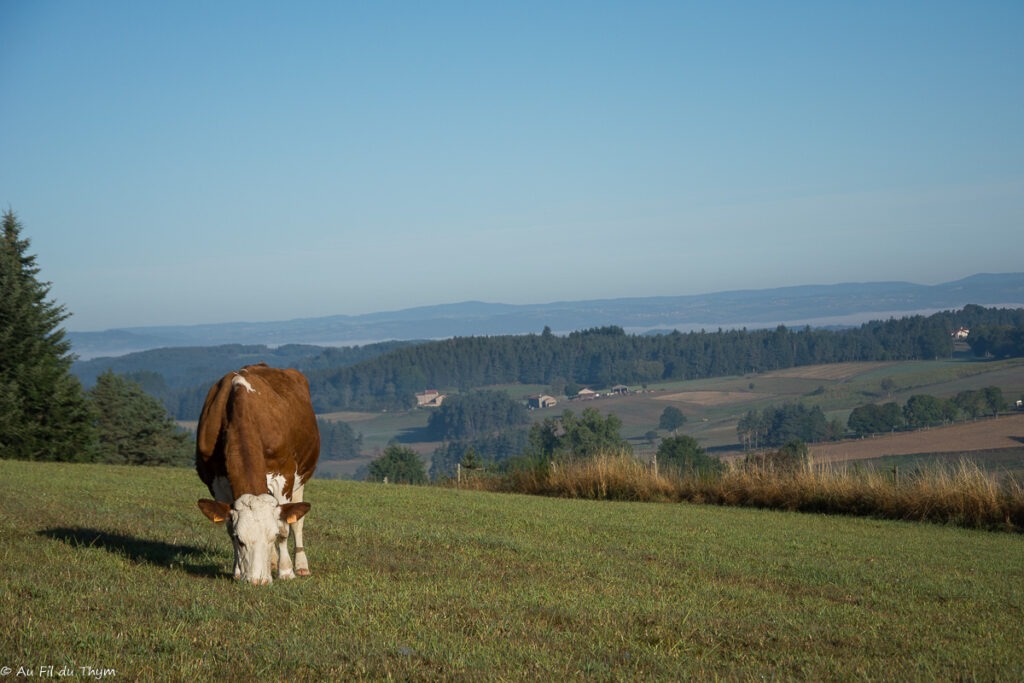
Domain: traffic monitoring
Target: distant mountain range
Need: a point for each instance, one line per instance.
(816, 305)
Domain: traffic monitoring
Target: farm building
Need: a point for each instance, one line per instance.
(431, 398)
(541, 401)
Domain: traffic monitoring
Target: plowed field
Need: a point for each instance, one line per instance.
(980, 435)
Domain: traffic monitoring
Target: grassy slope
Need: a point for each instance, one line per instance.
(115, 567)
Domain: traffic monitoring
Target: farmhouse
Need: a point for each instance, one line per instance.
(431, 398)
(620, 390)
(541, 401)
(586, 394)
(961, 334)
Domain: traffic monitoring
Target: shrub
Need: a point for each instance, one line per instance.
(792, 458)
(684, 455)
(965, 496)
(398, 465)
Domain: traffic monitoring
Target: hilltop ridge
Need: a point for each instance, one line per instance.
(816, 305)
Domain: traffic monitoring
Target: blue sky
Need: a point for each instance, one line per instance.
(189, 162)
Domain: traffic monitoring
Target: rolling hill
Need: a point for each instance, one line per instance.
(816, 305)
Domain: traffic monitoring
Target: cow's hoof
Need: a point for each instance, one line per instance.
(302, 572)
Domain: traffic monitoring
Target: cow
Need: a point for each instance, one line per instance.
(257, 445)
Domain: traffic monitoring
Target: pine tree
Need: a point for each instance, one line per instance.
(43, 412)
(133, 428)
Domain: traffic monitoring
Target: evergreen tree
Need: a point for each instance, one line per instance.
(133, 428)
(43, 412)
(399, 465)
(475, 414)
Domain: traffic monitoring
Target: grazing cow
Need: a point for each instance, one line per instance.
(256, 446)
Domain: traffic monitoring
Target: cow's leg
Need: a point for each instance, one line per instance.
(301, 563)
(284, 560)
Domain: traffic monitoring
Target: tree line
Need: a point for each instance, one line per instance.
(923, 410)
(181, 376)
(602, 357)
(388, 375)
(561, 438)
(45, 414)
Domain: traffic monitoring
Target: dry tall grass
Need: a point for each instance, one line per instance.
(964, 495)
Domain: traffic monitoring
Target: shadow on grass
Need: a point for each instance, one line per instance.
(159, 553)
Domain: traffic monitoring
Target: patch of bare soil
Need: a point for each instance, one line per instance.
(985, 434)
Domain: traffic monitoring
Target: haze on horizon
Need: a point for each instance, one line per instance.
(192, 162)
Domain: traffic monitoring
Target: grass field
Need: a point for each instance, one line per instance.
(115, 569)
(713, 406)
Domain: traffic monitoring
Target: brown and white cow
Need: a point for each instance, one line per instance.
(257, 445)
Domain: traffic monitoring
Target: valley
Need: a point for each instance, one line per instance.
(714, 406)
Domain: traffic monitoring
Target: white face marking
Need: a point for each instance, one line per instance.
(276, 484)
(238, 380)
(255, 525)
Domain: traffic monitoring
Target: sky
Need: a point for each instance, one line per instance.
(195, 162)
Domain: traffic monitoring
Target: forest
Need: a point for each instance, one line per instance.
(602, 357)
(386, 376)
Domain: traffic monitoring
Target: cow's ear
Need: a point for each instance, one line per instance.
(215, 510)
(293, 512)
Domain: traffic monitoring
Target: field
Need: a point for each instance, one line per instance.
(1005, 432)
(114, 569)
(713, 406)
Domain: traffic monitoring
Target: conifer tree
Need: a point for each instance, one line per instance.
(43, 412)
(133, 428)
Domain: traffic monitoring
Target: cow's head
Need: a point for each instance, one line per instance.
(255, 524)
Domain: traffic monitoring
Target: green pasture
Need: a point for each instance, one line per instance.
(115, 568)
(715, 425)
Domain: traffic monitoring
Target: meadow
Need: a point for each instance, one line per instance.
(713, 406)
(115, 569)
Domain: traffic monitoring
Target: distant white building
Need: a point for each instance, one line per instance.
(431, 398)
(541, 401)
(961, 334)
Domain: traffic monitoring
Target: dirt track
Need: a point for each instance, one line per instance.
(985, 434)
